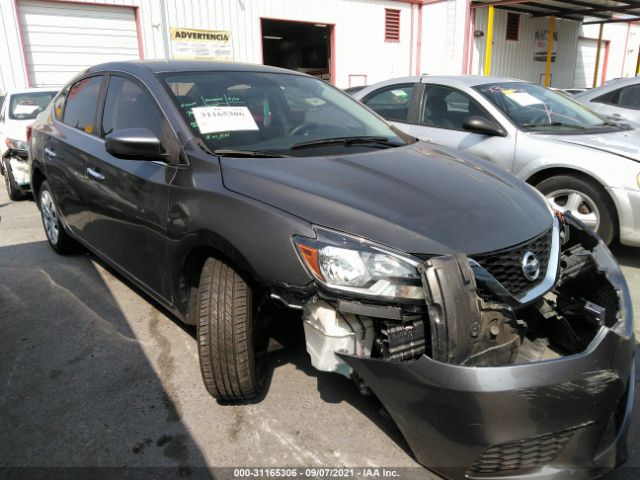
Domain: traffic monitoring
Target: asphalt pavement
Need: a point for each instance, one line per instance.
(94, 374)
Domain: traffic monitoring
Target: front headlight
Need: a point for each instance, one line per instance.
(351, 264)
(16, 144)
(638, 180)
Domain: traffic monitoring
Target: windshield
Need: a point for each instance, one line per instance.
(275, 112)
(535, 108)
(27, 106)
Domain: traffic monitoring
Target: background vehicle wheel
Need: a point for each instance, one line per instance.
(12, 187)
(225, 334)
(585, 199)
(58, 238)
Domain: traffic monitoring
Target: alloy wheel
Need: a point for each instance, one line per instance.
(49, 216)
(578, 204)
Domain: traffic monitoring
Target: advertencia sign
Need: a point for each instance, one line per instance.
(188, 43)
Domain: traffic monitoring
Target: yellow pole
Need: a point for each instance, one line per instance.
(638, 63)
(595, 73)
(487, 48)
(547, 68)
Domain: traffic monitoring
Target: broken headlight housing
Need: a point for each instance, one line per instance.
(16, 144)
(346, 263)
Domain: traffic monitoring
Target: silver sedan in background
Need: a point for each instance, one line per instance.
(578, 160)
(617, 100)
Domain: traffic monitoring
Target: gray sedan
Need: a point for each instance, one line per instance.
(580, 162)
(618, 100)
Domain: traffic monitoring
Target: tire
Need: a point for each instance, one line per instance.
(57, 236)
(12, 187)
(585, 198)
(225, 334)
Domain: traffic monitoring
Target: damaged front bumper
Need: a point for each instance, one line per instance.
(462, 381)
(564, 418)
(17, 161)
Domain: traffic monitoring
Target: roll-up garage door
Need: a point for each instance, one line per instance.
(586, 62)
(61, 39)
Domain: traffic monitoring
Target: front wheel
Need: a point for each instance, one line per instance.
(12, 187)
(225, 334)
(585, 199)
(58, 238)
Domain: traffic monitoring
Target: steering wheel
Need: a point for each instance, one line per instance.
(303, 128)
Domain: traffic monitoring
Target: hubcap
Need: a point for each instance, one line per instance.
(49, 217)
(578, 204)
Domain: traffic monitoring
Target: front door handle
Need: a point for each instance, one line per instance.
(50, 153)
(94, 174)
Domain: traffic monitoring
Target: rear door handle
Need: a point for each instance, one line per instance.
(50, 153)
(94, 174)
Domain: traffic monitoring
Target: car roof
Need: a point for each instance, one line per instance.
(15, 91)
(459, 81)
(168, 66)
(607, 87)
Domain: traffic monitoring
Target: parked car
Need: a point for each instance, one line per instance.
(575, 91)
(18, 109)
(485, 323)
(617, 100)
(580, 162)
(352, 90)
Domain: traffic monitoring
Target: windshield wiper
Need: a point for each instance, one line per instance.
(347, 141)
(553, 124)
(229, 152)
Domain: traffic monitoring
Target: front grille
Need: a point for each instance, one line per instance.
(522, 455)
(506, 265)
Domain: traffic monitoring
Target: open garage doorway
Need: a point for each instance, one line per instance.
(301, 46)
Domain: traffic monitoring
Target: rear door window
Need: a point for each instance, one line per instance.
(391, 103)
(630, 97)
(82, 102)
(610, 98)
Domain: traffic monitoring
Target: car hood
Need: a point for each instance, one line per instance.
(422, 198)
(625, 143)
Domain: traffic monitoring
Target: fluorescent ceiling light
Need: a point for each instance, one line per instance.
(272, 37)
(319, 25)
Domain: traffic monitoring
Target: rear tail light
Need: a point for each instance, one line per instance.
(28, 133)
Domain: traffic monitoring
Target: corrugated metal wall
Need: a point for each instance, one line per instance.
(515, 58)
(12, 70)
(443, 37)
(358, 35)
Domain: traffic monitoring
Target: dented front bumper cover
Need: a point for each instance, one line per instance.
(552, 419)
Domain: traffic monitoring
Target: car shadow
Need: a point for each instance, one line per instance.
(76, 387)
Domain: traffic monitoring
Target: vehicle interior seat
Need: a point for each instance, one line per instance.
(436, 112)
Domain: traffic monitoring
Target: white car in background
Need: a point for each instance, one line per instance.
(618, 100)
(18, 110)
(580, 162)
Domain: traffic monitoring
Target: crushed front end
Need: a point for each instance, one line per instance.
(511, 364)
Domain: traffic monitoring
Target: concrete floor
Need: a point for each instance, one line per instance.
(94, 374)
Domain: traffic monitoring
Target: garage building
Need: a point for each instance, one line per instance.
(346, 42)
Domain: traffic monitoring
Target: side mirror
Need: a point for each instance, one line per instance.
(134, 143)
(482, 125)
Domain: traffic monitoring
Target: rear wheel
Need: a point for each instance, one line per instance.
(585, 199)
(58, 238)
(12, 187)
(225, 334)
